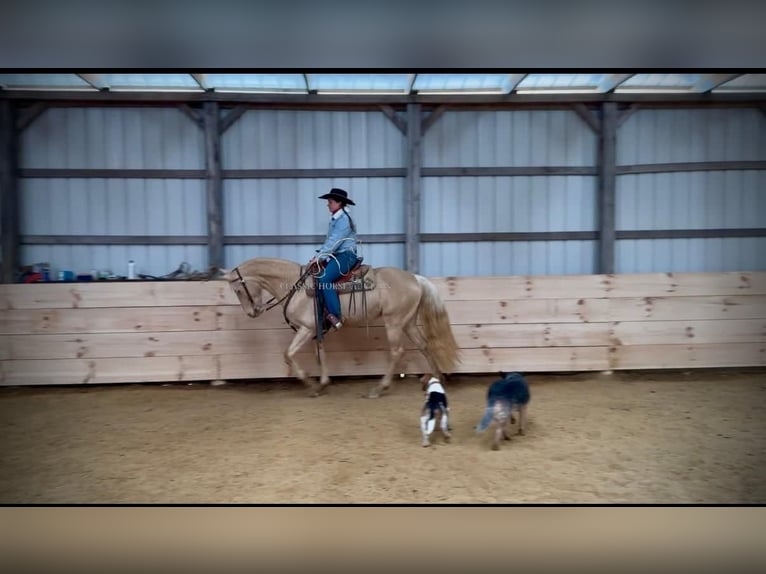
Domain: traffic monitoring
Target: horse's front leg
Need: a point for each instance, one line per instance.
(301, 336)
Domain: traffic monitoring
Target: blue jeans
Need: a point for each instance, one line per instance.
(337, 266)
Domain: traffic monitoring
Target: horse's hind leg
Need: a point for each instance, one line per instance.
(397, 350)
(301, 336)
(414, 333)
(324, 378)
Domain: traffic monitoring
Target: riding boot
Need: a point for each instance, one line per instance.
(334, 321)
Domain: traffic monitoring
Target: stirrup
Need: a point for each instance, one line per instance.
(334, 321)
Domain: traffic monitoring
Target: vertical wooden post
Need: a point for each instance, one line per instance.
(412, 189)
(9, 191)
(214, 185)
(606, 187)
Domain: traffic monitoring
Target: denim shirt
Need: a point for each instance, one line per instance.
(340, 236)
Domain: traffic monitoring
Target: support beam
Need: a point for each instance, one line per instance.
(431, 119)
(231, 117)
(214, 185)
(9, 192)
(626, 113)
(395, 119)
(193, 114)
(412, 189)
(583, 111)
(25, 117)
(411, 82)
(606, 187)
(707, 82)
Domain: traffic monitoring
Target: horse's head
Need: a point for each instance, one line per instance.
(247, 291)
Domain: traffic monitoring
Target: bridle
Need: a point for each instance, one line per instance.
(259, 309)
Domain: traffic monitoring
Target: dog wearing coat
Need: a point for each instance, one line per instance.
(434, 408)
(503, 396)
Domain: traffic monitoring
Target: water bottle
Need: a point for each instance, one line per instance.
(131, 269)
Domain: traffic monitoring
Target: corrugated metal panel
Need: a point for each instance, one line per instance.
(659, 81)
(165, 81)
(502, 204)
(113, 138)
(691, 255)
(696, 200)
(691, 200)
(289, 207)
(746, 82)
(356, 82)
(112, 207)
(448, 82)
(377, 255)
(719, 134)
(264, 82)
(507, 258)
(577, 81)
(265, 139)
(523, 138)
(51, 81)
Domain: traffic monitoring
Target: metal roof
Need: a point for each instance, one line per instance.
(395, 83)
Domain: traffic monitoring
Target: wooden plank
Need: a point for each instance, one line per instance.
(522, 287)
(532, 311)
(687, 284)
(687, 308)
(116, 294)
(374, 363)
(118, 320)
(100, 371)
(187, 342)
(688, 332)
(687, 356)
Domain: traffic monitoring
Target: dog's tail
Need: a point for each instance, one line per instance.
(486, 419)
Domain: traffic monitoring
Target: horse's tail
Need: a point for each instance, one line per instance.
(437, 328)
(486, 419)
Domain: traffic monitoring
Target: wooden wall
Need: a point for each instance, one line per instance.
(74, 333)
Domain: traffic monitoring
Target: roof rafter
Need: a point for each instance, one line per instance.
(707, 82)
(202, 81)
(612, 81)
(94, 80)
(511, 81)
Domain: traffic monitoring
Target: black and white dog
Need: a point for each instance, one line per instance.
(509, 393)
(435, 406)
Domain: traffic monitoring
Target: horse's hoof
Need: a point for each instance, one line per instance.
(447, 438)
(495, 447)
(425, 443)
(373, 395)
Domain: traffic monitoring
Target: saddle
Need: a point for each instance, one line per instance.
(360, 277)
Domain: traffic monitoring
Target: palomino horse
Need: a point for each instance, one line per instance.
(400, 298)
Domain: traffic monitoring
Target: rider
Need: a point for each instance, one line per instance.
(338, 253)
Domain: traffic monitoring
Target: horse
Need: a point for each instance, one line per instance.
(398, 297)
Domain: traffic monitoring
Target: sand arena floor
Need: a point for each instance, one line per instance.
(648, 437)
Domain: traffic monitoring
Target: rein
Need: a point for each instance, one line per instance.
(287, 296)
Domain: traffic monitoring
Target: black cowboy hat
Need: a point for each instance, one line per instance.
(338, 195)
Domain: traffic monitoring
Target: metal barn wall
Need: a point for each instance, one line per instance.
(113, 138)
(732, 199)
(468, 204)
(165, 138)
(294, 140)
